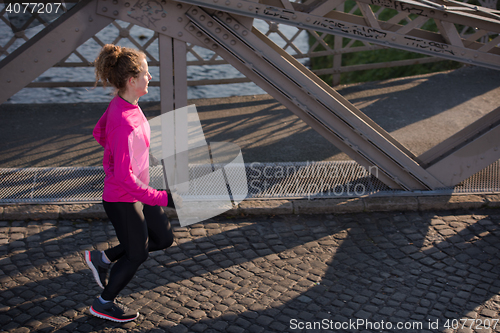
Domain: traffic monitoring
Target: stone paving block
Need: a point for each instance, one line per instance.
(385, 204)
(328, 206)
(493, 200)
(31, 212)
(189, 288)
(82, 211)
(451, 202)
(265, 207)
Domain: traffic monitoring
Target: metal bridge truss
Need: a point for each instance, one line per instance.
(225, 26)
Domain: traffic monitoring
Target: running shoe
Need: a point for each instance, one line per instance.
(112, 311)
(98, 267)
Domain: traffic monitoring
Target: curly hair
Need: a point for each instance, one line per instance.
(115, 65)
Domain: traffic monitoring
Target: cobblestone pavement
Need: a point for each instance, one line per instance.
(425, 270)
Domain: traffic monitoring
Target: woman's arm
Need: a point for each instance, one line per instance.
(131, 166)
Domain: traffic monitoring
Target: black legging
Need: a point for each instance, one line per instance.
(141, 229)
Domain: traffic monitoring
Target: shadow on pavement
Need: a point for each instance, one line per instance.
(270, 274)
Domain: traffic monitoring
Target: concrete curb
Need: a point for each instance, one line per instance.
(273, 207)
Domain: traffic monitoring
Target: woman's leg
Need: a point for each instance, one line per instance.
(159, 229)
(132, 232)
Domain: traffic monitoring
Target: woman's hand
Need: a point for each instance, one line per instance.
(171, 200)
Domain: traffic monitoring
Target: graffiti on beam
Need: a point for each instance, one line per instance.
(274, 12)
(428, 45)
(399, 6)
(356, 31)
(148, 12)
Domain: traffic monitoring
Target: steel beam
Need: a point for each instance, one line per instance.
(360, 28)
(312, 100)
(469, 159)
(467, 152)
(287, 80)
(49, 46)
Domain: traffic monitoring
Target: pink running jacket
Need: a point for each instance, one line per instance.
(124, 132)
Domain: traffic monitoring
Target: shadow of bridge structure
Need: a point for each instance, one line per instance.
(307, 273)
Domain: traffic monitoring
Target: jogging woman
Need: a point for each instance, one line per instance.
(132, 206)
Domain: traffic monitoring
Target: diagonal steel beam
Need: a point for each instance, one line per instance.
(467, 152)
(291, 83)
(49, 46)
(358, 27)
(469, 159)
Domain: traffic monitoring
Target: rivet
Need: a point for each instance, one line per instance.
(8, 81)
(199, 34)
(49, 50)
(63, 40)
(115, 2)
(206, 40)
(308, 19)
(115, 13)
(240, 5)
(165, 28)
(163, 15)
(202, 18)
(393, 38)
(77, 29)
(91, 19)
(210, 23)
(432, 12)
(220, 14)
(104, 9)
(191, 28)
(127, 4)
(228, 20)
(179, 19)
(179, 34)
(194, 12)
(217, 30)
(245, 33)
(233, 42)
(216, 1)
(294, 16)
(236, 26)
(445, 15)
(214, 46)
(228, 3)
(36, 60)
(476, 55)
(179, 6)
(22, 70)
(250, 8)
(225, 36)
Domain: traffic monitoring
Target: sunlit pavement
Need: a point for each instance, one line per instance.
(392, 272)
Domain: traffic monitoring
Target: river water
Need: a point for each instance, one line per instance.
(90, 49)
